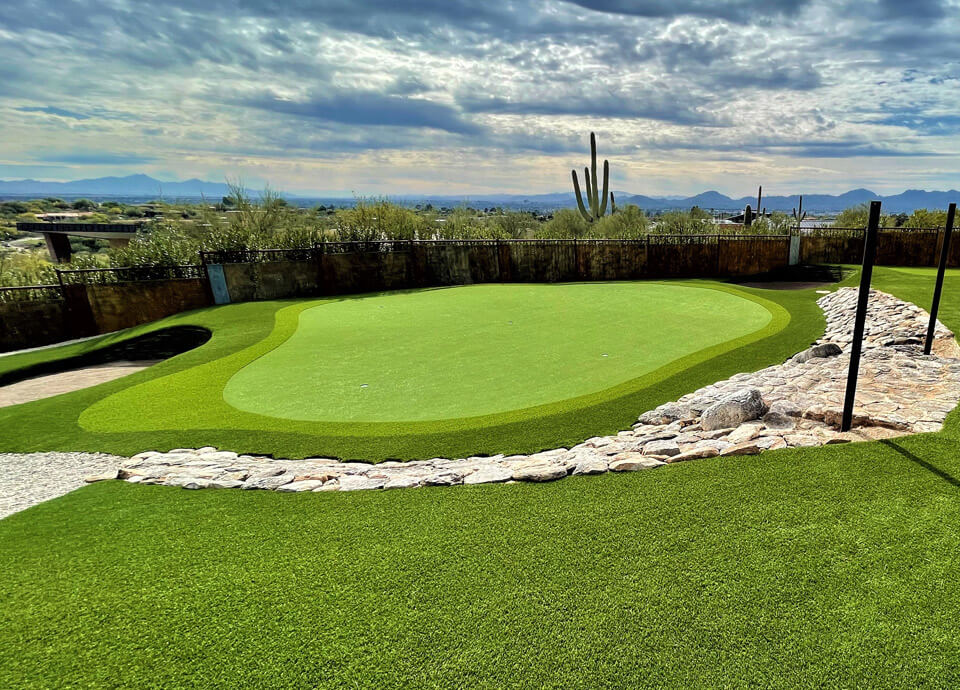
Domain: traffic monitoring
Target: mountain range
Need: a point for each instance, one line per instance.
(129, 186)
(145, 187)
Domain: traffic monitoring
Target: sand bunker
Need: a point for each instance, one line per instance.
(67, 381)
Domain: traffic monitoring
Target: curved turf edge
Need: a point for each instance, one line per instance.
(236, 326)
(203, 385)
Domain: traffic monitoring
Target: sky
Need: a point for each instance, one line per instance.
(381, 97)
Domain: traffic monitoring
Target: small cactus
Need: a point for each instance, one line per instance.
(597, 202)
(613, 204)
(747, 216)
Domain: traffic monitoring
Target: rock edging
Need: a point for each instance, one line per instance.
(794, 404)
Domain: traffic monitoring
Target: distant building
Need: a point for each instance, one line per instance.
(57, 235)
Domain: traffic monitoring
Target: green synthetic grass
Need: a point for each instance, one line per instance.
(482, 349)
(181, 403)
(833, 566)
(830, 567)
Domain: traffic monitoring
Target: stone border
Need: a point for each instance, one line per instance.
(794, 404)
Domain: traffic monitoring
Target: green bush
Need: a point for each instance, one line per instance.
(565, 224)
(857, 217)
(693, 222)
(629, 223)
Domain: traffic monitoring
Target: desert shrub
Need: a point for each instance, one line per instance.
(26, 268)
(512, 225)
(777, 223)
(461, 224)
(858, 216)
(628, 223)
(161, 245)
(693, 222)
(379, 219)
(565, 224)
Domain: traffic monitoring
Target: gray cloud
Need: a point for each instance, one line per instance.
(95, 158)
(202, 79)
(53, 110)
(735, 10)
(662, 106)
(366, 108)
(925, 125)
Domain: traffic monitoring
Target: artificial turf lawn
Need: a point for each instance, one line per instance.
(180, 402)
(482, 349)
(833, 566)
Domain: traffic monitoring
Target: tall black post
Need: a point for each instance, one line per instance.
(856, 346)
(944, 252)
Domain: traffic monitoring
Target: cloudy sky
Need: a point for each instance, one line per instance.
(461, 96)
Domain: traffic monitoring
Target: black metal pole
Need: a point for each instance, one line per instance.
(856, 345)
(938, 289)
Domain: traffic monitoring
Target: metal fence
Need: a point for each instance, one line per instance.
(128, 274)
(904, 246)
(857, 232)
(245, 256)
(28, 293)
(71, 228)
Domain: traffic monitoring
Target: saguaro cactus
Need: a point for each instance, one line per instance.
(798, 213)
(747, 216)
(596, 203)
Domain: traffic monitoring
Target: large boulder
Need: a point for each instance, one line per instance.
(665, 414)
(782, 415)
(734, 409)
(817, 351)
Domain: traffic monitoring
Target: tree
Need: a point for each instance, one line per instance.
(857, 217)
(628, 223)
(83, 205)
(565, 224)
(922, 218)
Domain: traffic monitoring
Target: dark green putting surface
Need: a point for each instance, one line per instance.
(482, 349)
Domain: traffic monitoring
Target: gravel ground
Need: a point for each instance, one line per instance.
(32, 478)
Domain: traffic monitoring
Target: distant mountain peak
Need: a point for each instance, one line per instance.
(140, 185)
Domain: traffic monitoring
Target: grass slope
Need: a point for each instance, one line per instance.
(179, 402)
(832, 566)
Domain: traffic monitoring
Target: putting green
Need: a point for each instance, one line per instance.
(447, 374)
(482, 349)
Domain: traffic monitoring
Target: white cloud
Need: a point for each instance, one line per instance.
(449, 95)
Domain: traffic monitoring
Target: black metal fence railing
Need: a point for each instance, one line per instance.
(858, 232)
(128, 274)
(31, 293)
(71, 228)
(255, 256)
(242, 256)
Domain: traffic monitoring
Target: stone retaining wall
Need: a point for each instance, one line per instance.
(32, 323)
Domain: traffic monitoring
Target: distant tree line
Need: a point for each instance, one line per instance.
(177, 232)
